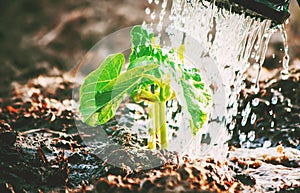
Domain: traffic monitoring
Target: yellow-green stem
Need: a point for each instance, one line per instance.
(163, 126)
(158, 128)
(152, 137)
(156, 119)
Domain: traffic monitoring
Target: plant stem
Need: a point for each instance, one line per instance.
(163, 126)
(157, 112)
(156, 119)
(152, 136)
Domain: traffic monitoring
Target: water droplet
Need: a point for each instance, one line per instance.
(255, 88)
(235, 109)
(242, 137)
(257, 46)
(138, 49)
(272, 124)
(253, 80)
(147, 11)
(251, 135)
(243, 112)
(164, 4)
(156, 2)
(159, 28)
(144, 25)
(274, 100)
(153, 15)
(232, 125)
(267, 144)
(164, 52)
(271, 112)
(229, 119)
(273, 56)
(286, 60)
(147, 44)
(255, 102)
(256, 66)
(150, 1)
(253, 118)
(285, 74)
(244, 121)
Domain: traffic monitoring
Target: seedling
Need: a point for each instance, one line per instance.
(147, 79)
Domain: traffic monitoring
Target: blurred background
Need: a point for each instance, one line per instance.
(51, 37)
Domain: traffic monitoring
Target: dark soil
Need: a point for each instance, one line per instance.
(42, 151)
(273, 117)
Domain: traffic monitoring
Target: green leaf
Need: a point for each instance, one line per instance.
(108, 71)
(142, 61)
(142, 45)
(140, 36)
(109, 98)
(198, 85)
(197, 98)
(105, 88)
(194, 105)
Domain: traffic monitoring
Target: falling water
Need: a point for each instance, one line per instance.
(286, 58)
(234, 42)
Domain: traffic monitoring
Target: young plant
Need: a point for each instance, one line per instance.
(144, 81)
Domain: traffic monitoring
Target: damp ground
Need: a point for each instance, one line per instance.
(41, 150)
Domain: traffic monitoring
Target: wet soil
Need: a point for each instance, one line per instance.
(42, 151)
(271, 116)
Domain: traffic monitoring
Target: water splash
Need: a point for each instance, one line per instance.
(234, 42)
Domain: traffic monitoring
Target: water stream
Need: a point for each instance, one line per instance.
(286, 58)
(232, 43)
